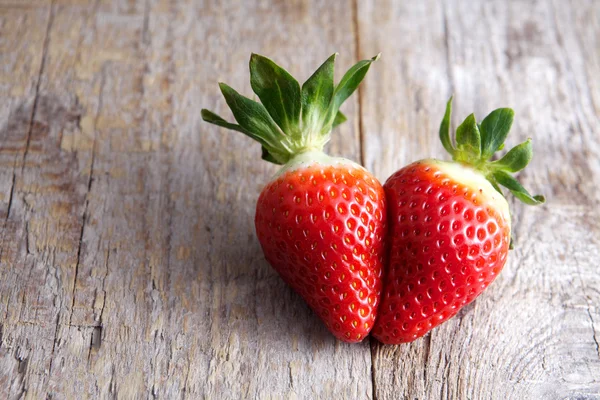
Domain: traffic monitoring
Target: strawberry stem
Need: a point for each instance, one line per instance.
(477, 143)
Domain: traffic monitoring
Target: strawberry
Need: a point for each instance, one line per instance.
(321, 220)
(450, 227)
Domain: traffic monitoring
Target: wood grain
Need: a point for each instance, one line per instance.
(129, 267)
(132, 265)
(534, 333)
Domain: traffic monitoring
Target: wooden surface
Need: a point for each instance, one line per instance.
(129, 267)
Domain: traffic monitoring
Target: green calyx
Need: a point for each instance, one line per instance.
(289, 119)
(476, 143)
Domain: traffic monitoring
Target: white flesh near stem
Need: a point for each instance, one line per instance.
(310, 158)
(476, 181)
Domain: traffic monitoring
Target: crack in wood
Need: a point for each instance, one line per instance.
(112, 385)
(11, 194)
(33, 110)
(22, 365)
(357, 51)
(290, 375)
(359, 96)
(95, 341)
(55, 338)
(426, 352)
(593, 330)
(77, 263)
(449, 71)
(21, 377)
(373, 350)
(38, 84)
(104, 284)
(27, 248)
(96, 335)
(54, 344)
(89, 188)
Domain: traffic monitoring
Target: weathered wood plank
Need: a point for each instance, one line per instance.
(534, 333)
(128, 262)
(23, 34)
(134, 269)
(257, 338)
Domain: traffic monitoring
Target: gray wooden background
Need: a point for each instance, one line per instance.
(129, 267)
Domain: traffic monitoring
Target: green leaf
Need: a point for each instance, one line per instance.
(468, 139)
(213, 118)
(494, 129)
(253, 118)
(495, 185)
(445, 129)
(346, 87)
(517, 189)
(269, 157)
(339, 119)
(316, 95)
(351, 79)
(278, 91)
(516, 159)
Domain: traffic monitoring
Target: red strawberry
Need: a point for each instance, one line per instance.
(449, 227)
(321, 220)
